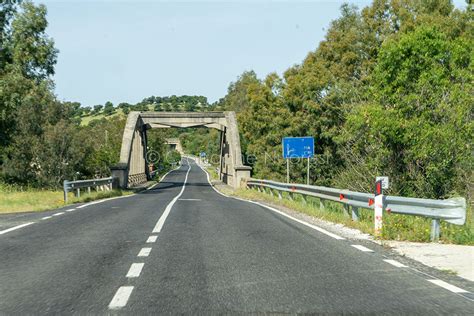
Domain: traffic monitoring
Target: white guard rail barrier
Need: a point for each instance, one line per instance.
(450, 210)
(104, 184)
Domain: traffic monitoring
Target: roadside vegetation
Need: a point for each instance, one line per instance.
(388, 92)
(15, 199)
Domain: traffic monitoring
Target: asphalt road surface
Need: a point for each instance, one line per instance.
(181, 247)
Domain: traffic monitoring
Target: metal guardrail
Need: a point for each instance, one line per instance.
(99, 184)
(451, 210)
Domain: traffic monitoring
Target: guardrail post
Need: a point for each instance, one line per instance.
(435, 229)
(321, 204)
(346, 210)
(290, 196)
(65, 190)
(88, 190)
(355, 213)
(78, 192)
(279, 195)
(303, 198)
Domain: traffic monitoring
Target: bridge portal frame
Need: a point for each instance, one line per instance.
(132, 168)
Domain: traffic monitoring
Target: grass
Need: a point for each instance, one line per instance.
(16, 200)
(395, 226)
(86, 119)
(212, 173)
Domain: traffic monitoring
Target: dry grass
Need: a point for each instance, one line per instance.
(31, 200)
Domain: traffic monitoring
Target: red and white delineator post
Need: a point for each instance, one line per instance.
(378, 208)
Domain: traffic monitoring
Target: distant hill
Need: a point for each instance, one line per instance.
(168, 103)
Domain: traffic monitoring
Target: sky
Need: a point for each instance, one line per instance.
(124, 51)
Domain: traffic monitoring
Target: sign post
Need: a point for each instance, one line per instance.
(307, 174)
(378, 207)
(297, 147)
(287, 170)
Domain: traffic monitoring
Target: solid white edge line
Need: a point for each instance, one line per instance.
(144, 252)
(161, 221)
(319, 229)
(151, 239)
(121, 297)
(15, 228)
(447, 286)
(57, 214)
(46, 217)
(395, 263)
(135, 270)
(119, 197)
(362, 248)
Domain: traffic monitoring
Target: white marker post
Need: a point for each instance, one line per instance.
(378, 208)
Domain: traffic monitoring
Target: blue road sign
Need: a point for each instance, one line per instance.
(298, 147)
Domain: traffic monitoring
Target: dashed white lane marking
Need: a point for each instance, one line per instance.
(70, 210)
(395, 263)
(15, 228)
(161, 221)
(120, 298)
(448, 286)
(319, 229)
(362, 248)
(151, 239)
(46, 217)
(135, 270)
(144, 252)
(57, 214)
(190, 199)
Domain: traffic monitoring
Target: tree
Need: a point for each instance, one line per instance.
(27, 62)
(97, 109)
(420, 121)
(109, 108)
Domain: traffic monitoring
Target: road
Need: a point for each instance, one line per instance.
(186, 248)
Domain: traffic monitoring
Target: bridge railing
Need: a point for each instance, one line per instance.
(450, 210)
(103, 184)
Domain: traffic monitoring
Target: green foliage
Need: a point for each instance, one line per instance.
(418, 128)
(197, 140)
(97, 109)
(109, 108)
(388, 91)
(173, 157)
